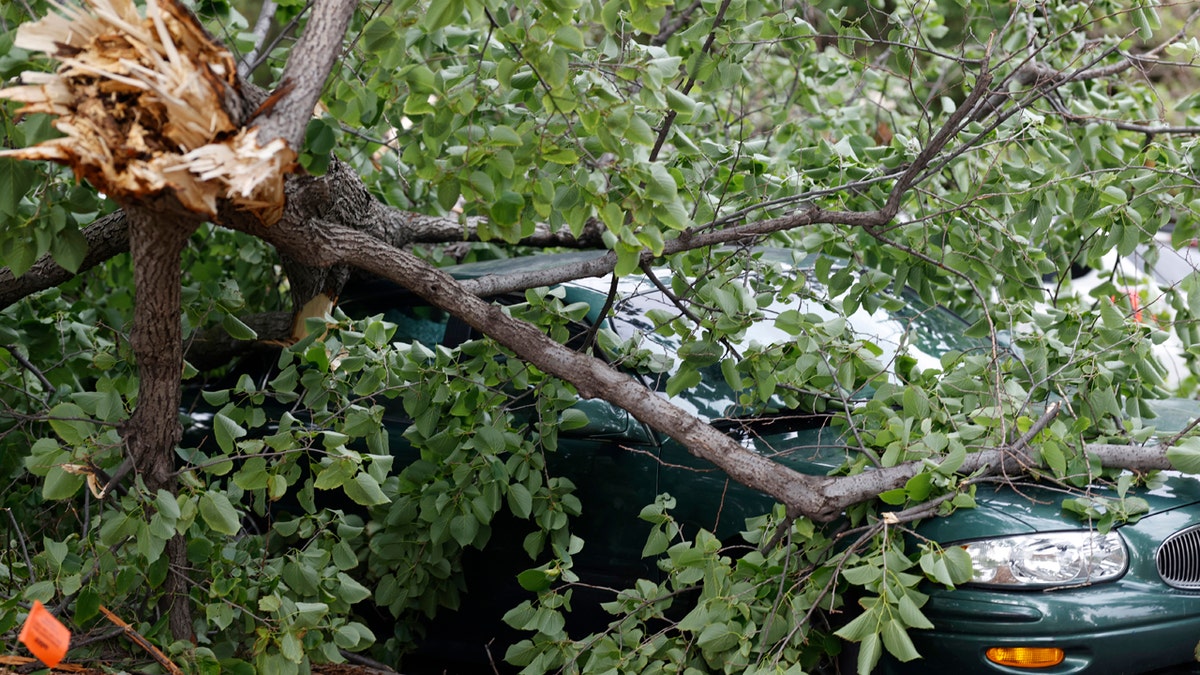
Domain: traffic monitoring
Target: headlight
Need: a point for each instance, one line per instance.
(1048, 559)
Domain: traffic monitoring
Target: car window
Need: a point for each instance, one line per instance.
(912, 328)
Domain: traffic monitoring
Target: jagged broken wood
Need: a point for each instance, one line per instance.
(148, 104)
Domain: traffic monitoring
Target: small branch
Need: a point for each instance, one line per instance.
(671, 25)
(142, 642)
(309, 64)
(370, 665)
(1047, 417)
(669, 119)
(24, 548)
(265, 53)
(114, 481)
(91, 638)
(1175, 439)
(261, 28)
(590, 338)
(27, 365)
(949, 130)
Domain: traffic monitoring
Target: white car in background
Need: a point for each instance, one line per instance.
(1144, 275)
(1166, 265)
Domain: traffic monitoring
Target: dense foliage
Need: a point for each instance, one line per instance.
(661, 122)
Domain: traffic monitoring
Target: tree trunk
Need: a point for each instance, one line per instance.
(158, 232)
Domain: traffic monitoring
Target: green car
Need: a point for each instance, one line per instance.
(1048, 594)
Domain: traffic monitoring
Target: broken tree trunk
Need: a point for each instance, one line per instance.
(152, 114)
(152, 432)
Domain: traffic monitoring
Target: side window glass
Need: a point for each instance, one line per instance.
(423, 324)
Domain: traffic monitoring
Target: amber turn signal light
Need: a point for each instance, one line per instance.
(1026, 657)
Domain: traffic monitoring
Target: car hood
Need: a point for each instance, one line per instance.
(1026, 507)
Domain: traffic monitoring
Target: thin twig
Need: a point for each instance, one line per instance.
(24, 548)
(368, 663)
(594, 329)
(291, 26)
(142, 642)
(28, 365)
(1175, 439)
(261, 27)
(665, 128)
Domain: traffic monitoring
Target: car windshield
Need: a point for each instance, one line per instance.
(910, 327)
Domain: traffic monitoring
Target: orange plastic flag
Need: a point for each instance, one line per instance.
(45, 635)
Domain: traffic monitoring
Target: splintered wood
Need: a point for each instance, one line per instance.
(148, 104)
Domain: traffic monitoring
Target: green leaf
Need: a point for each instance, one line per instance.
(702, 353)
(895, 638)
(69, 421)
(87, 605)
(958, 562)
(69, 248)
(350, 590)
(236, 329)
(628, 260)
(953, 460)
(1054, 458)
(911, 614)
(167, 505)
(463, 528)
(59, 484)
(219, 514)
(919, 486)
(680, 102)
(309, 614)
(441, 14)
(520, 501)
(571, 419)
(570, 37)
(862, 575)
(226, 431)
(365, 490)
(291, 648)
(507, 209)
(536, 580)
(1185, 455)
(16, 179)
(685, 378)
(504, 135)
(639, 132)
(660, 186)
(868, 653)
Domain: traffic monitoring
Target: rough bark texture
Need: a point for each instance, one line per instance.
(158, 231)
(339, 196)
(304, 76)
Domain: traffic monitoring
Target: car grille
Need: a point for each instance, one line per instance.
(1179, 559)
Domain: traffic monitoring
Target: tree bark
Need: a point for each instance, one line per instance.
(158, 231)
(106, 237)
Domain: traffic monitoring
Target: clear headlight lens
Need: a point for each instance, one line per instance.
(1048, 559)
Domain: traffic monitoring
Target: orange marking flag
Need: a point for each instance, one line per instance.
(45, 635)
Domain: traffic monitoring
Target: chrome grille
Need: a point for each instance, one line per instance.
(1179, 559)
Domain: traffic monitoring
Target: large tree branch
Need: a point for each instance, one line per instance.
(106, 237)
(304, 76)
(159, 229)
(324, 244)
